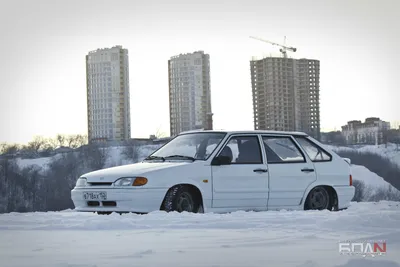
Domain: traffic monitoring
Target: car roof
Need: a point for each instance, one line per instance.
(248, 132)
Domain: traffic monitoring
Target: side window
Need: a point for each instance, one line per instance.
(211, 145)
(282, 150)
(243, 150)
(315, 153)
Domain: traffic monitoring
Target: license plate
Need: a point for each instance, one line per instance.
(95, 195)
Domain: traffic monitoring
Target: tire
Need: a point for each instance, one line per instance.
(181, 198)
(318, 199)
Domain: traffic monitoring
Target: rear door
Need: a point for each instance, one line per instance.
(290, 171)
(335, 173)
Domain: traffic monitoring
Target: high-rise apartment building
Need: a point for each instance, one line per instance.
(189, 92)
(108, 105)
(286, 94)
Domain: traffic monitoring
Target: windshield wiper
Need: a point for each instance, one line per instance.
(154, 157)
(181, 156)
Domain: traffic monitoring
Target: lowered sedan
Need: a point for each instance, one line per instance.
(216, 171)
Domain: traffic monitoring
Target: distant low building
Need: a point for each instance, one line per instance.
(369, 132)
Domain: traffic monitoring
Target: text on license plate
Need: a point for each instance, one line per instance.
(95, 195)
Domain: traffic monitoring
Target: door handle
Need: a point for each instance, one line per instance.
(260, 170)
(307, 170)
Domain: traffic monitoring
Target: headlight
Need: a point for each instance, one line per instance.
(81, 182)
(131, 181)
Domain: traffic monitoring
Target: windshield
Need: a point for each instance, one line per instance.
(195, 146)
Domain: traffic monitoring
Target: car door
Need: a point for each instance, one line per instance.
(243, 183)
(290, 171)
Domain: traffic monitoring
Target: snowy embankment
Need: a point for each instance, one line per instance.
(275, 238)
(374, 184)
(389, 151)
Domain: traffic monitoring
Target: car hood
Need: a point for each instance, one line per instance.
(131, 170)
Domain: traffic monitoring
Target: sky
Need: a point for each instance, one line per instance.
(44, 43)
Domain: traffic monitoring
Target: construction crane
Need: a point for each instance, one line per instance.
(283, 47)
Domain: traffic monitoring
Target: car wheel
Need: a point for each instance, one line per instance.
(318, 199)
(180, 199)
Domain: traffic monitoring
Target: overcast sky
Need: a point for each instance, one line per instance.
(44, 43)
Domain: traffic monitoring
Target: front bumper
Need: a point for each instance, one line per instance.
(345, 195)
(120, 200)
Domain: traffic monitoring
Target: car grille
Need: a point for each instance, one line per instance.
(99, 184)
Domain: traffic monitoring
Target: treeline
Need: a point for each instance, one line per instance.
(41, 146)
(47, 187)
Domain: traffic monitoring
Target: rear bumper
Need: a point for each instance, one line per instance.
(120, 200)
(345, 195)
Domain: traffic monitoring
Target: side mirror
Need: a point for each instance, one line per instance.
(221, 160)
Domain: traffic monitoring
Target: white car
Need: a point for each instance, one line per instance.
(221, 171)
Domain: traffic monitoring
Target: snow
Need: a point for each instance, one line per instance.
(274, 238)
(41, 162)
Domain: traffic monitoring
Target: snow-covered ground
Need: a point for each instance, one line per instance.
(274, 238)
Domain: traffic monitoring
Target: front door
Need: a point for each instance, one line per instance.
(290, 171)
(244, 182)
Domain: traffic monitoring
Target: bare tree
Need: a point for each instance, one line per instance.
(32, 186)
(51, 143)
(94, 156)
(61, 139)
(71, 139)
(60, 179)
(2, 148)
(36, 144)
(9, 148)
(160, 133)
(131, 151)
(76, 140)
(385, 193)
(359, 194)
(81, 139)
